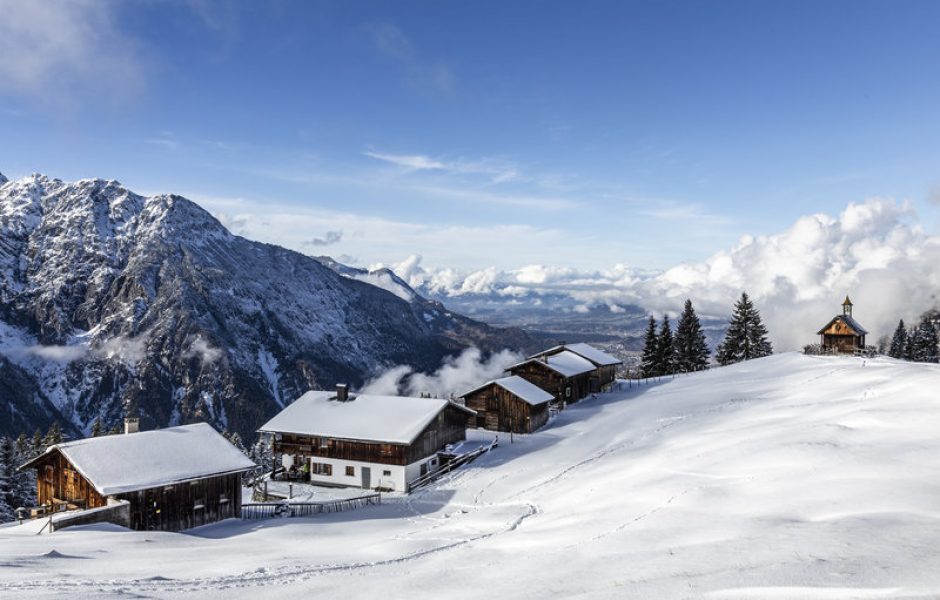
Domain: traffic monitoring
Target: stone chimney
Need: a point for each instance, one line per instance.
(131, 425)
(342, 392)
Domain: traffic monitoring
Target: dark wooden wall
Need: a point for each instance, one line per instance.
(498, 409)
(185, 505)
(448, 427)
(555, 384)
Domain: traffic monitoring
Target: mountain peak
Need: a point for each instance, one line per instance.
(3, 179)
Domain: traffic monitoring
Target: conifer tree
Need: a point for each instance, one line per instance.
(666, 349)
(746, 337)
(924, 343)
(37, 444)
(648, 366)
(96, 428)
(8, 500)
(691, 347)
(898, 341)
(53, 436)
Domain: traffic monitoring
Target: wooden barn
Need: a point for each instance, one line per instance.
(605, 371)
(843, 334)
(509, 404)
(367, 441)
(565, 375)
(173, 479)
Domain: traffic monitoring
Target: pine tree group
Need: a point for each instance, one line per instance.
(746, 337)
(666, 353)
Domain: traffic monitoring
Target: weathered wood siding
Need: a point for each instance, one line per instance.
(554, 383)
(498, 409)
(448, 427)
(185, 505)
(57, 480)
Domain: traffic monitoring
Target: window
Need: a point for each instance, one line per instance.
(322, 469)
(568, 392)
(350, 471)
(199, 504)
(223, 499)
(433, 461)
(386, 473)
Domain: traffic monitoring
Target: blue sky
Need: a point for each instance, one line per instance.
(484, 133)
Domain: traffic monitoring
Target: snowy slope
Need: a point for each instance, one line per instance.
(108, 298)
(785, 477)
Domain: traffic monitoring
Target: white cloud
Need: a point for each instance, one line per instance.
(56, 49)
(457, 375)
(875, 251)
(201, 349)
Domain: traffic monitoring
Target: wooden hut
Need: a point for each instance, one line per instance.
(605, 365)
(843, 334)
(565, 375)
(509, 404)
(173, 478)
(367, 441)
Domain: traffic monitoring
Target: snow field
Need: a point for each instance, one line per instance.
(783, 477)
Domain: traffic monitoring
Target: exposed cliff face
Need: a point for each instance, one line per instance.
(109, 298)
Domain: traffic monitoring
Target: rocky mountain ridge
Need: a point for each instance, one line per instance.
(109, 299)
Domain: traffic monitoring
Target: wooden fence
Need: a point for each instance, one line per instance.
(451, 465)
(267, 510)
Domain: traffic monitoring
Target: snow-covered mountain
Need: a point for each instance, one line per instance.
(109, 298)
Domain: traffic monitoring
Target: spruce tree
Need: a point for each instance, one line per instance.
(691, 347)
(53, 436)
(898, 341)
(96, 428)
(37, 444)
(666, 349)
(923, 343)
(648, 366)
(8, 501)
(746, 337)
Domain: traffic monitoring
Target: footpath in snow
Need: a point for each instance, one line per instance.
(784, 477)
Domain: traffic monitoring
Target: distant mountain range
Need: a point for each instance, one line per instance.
(109, 299)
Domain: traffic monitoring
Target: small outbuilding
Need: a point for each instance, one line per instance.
(367, 441)
(565, 375)
(605, 365)
(509, 404)
(843, 334)
(172, 479)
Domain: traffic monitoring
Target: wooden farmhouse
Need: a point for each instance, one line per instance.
(509, 404)
(564, 375)
(367, 441)
(605, 371)
(173, 478)
(843, 334)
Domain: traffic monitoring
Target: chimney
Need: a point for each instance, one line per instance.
(545, 358)
(342, 392)
(131, 425)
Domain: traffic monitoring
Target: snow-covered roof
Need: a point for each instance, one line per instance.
(519, 387)
(121, 463)
(390, 419)
(565, 363)
(587, 351)
(848, 320)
